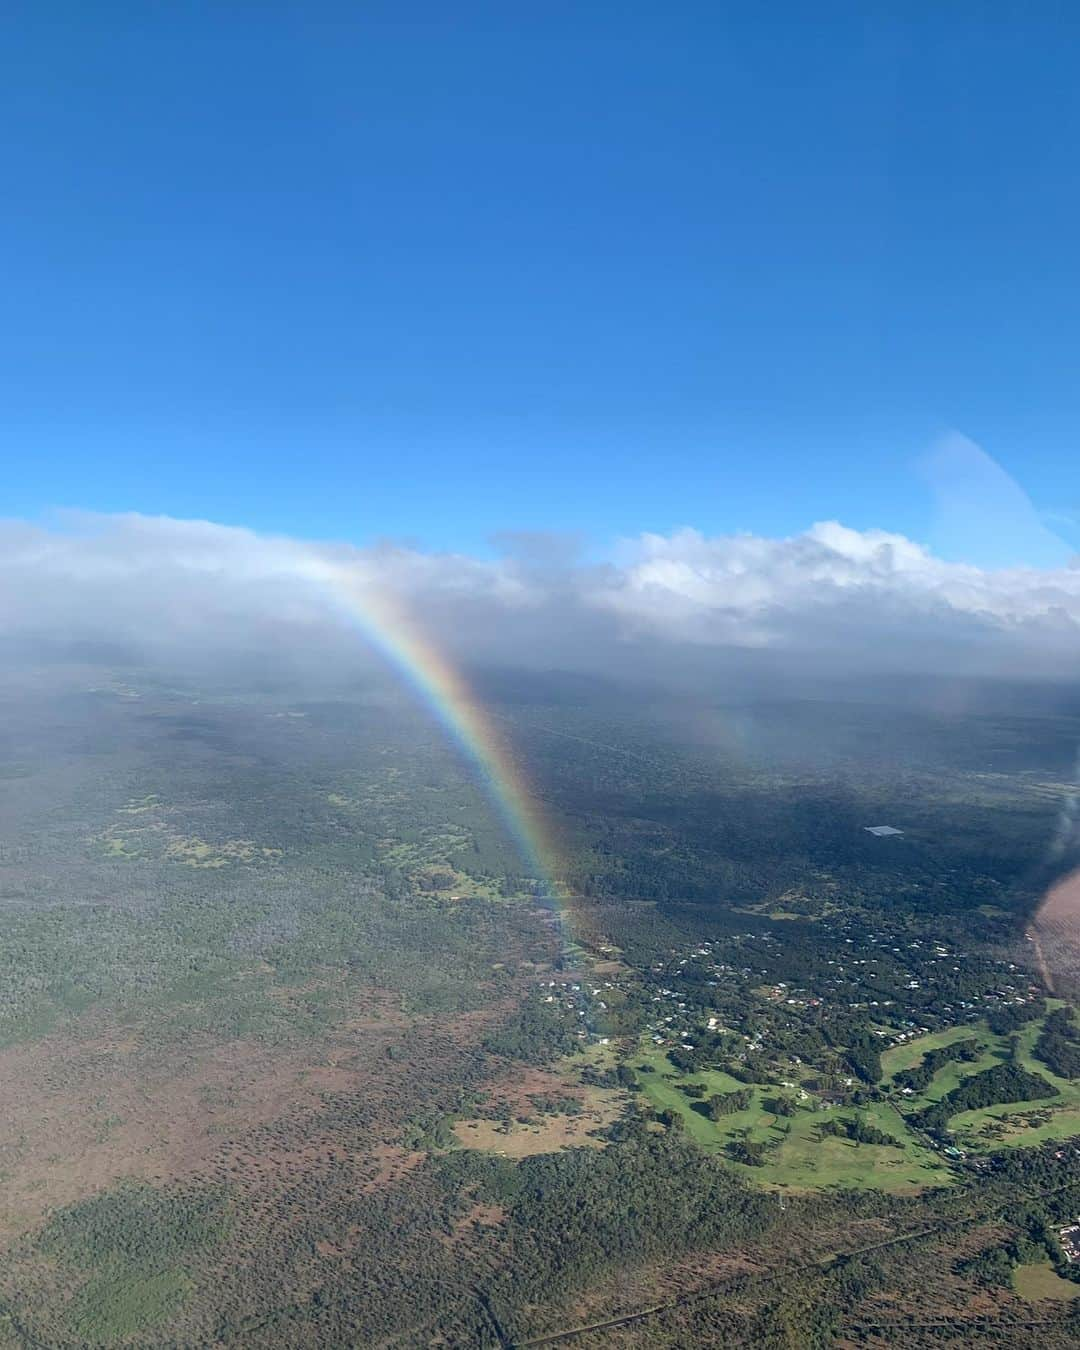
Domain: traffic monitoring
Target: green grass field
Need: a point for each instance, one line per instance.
(1012, 1125)
(900, 1057)
(800, 1159)
(1042, 1281)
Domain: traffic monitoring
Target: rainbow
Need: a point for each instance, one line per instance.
(425, 669)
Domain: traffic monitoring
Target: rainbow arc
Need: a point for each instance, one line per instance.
(444, 690)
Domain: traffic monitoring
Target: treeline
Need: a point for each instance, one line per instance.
(1058, 1045)
(754, 1069)
(858, 1130)
(722, 1104)
(137, 1223)
(747, 1152)
(1000, 1085)
(922, 1075)
(573, 1217)
(621, 1076)
(537, 1033)
(727, 843)
(863, 1054)
(1034, 1239)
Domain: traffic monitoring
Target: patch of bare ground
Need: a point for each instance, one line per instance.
(479, 1216)
(927, 1286)
(391, 1165)
(981, 1318)
(515, 1095)
(76, 1116)
(662, 1282)
(948, 1299)
(550, 1134)
(697, 1272)
(516, 1089)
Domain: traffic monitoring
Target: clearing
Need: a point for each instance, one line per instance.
(523, 1094)
(1042, 1281)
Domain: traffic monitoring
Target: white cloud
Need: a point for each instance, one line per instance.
(665, 606)
(870, 597)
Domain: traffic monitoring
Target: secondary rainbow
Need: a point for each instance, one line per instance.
(445, 691)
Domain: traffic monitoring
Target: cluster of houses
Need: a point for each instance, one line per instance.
(575, 997)
(680, 1021)
(1070, 1241)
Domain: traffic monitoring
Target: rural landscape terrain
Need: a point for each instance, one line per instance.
(295, 1051)
(540, 677)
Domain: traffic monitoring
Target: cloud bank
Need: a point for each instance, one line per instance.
(666, 607)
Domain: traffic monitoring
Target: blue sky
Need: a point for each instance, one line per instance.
(438, 271)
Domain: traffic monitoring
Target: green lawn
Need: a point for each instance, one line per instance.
(951, 1075)
(661, 1087)
(1042, 1281)
(1028, 1036)
(805, 1161)
(900, 1057)
(1006, 1128)
(802, 1159)
(1064, 1123)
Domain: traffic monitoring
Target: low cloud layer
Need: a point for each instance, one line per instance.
(667, 607)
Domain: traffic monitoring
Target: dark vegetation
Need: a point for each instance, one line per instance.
(1058, 1045)
(858, 1130)
(1012, 1017)
(863, 1056)
(722, 1104)
(536, 1034)
(136, 1224)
